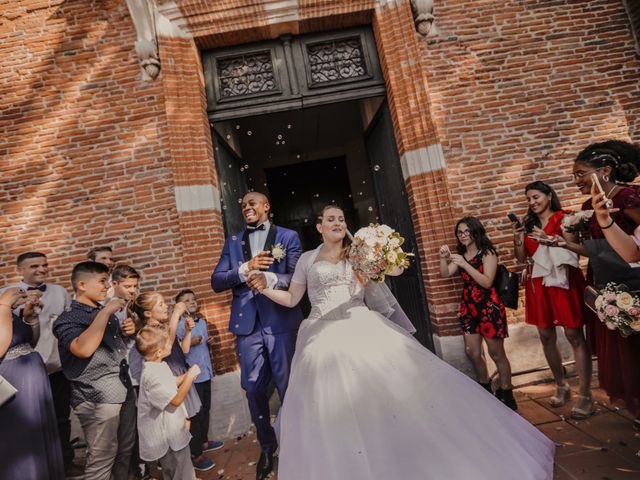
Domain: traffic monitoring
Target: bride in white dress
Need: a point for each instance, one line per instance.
(366, 401)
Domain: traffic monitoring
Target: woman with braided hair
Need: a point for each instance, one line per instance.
(614, 163)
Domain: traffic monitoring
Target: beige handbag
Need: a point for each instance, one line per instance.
(7, 391)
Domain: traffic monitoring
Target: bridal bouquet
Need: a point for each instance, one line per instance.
(619, 309)
(577, 222)
(376, 251)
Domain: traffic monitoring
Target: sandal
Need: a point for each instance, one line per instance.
(562, 396)
(583, 409)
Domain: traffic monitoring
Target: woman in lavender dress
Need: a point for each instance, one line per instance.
(29, 441)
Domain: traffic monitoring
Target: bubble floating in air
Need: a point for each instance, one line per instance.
(228, 137)
(298, 156)
(237, 127)
(370, 209)
(239, 200)
(376, 168)
(249, 132)
(279, 136)
(246, 166)
(242, 169)
(289, 126)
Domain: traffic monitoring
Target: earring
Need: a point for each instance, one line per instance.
(605, 178)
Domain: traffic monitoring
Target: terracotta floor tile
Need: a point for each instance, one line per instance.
(569, 439)
(598, 465)
(535, 413)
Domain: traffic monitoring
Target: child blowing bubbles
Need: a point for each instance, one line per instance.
(162, 416)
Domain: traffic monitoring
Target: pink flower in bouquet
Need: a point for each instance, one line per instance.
(611, 310)
(610, 297)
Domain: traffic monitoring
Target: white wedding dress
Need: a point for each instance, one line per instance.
(366, 401)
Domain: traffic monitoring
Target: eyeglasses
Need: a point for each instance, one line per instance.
(580, 175)
(463, 233)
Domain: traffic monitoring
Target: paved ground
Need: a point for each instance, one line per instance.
(604, 447)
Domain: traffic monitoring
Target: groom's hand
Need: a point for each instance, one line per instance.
(257, 281)
(261, 261)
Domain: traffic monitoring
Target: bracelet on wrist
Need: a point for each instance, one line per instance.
(610, 225)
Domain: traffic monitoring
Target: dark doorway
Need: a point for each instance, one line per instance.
(314, 185)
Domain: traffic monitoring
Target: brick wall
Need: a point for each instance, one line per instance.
(91, 153)
(516, 90)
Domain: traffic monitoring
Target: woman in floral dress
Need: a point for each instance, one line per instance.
(482, 313)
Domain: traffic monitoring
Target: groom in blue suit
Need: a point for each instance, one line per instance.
(262, 255)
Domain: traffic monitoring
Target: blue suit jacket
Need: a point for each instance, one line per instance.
(246, 304)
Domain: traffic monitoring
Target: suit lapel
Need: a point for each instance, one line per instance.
(246, 246)
(271, 238)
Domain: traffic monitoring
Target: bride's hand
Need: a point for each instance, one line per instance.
(256, 280)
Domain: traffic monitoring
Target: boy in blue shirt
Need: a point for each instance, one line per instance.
(199, 355)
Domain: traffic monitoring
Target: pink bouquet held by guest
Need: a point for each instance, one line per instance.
(376, 251)
(619, 309)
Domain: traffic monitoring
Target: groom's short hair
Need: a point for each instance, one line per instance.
(264, 196)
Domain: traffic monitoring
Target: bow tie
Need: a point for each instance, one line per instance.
(252, 229)
(41, 287)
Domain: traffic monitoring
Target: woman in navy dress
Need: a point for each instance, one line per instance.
(29, 439)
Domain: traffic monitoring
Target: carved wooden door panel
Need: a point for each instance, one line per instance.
(393, 209)
(232, 184)
(291, 73)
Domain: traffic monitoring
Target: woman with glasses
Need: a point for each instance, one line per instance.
(554, 296)
(482, 313)
(614, 163)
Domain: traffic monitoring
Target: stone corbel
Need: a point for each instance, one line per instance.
(143, 14)
(423, 18)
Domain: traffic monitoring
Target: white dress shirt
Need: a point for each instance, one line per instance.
(55, 300)
(161, 426)
(257, 241)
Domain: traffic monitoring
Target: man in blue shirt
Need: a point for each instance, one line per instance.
(199, 355)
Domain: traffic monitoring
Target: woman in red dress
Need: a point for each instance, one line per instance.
(614, 163)
(548, 307)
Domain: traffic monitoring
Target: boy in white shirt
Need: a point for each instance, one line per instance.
(162, 418)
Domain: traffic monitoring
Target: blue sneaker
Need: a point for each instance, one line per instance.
(202, 463)
(212, 445)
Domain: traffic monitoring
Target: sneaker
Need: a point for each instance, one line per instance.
(212, 445)
(202, 463)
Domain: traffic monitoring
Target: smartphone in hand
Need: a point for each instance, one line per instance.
(596, 180)
(514, 219)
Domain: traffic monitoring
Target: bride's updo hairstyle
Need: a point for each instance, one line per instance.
(346, 241)
(623, 158)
